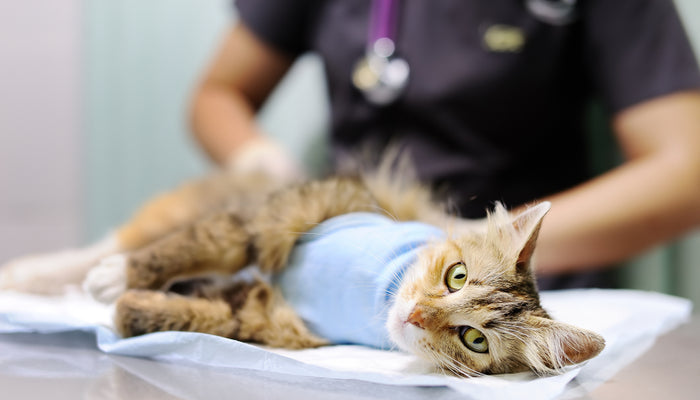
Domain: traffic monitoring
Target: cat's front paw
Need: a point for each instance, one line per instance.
(274, 250)
(107, 281)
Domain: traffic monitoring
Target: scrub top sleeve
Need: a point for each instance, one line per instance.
(637, 50)
(282, 24)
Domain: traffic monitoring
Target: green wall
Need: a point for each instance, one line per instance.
(142, 59)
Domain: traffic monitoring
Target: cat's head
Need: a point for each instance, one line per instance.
(470, 304)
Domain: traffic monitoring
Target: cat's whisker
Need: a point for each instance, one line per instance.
(382, 210)
(446, 361)
(393, 346)
(515, 331)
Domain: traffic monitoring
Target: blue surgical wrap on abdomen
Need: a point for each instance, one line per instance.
(343, 273)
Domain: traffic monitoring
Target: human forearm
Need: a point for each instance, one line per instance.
(222, 122)
(652, 198)
(243, 73)
(225, 127)
(618, 215)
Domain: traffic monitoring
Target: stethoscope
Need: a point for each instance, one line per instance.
(382, 76)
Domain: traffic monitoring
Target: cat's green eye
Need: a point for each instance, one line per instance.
(474, 340)
(456, 277)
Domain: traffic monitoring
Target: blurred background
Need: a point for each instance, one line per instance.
(93, 120)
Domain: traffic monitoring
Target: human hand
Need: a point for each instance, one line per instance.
(263, 155)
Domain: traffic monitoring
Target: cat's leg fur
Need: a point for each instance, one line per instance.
(217, 243)
(290, 213)
(246, 311)
(139, 312)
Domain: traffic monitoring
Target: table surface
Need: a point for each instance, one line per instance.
(69, 366)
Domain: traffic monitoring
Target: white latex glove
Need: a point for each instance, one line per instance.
(262, 155)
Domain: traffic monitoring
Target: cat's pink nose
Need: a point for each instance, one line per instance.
(416, 318)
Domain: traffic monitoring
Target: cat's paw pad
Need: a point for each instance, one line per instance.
(107, 281)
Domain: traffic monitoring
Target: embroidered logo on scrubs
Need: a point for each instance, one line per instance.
(504, 38)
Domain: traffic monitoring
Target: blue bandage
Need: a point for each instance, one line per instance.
(342, 274)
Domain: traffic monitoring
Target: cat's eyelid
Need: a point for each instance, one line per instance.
(446, 265)
(462, 322)
(449, 266)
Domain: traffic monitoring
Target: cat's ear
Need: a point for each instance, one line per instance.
(527, 225)
(558, 344)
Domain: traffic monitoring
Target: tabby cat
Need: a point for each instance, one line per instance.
(462, 297)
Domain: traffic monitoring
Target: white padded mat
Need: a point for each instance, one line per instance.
(630, 321)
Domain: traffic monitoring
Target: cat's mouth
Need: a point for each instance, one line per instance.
(403, 329)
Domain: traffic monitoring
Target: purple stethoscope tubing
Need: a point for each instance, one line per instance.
(383, 22)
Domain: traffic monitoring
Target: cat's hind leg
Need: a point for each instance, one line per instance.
(139, 312)
(246, 311)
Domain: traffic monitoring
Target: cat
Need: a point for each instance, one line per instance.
(464, 298)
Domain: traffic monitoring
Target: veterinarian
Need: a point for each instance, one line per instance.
(491, 100)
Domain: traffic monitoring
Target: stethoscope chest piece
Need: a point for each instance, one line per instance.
(379, 75)
(554, 12)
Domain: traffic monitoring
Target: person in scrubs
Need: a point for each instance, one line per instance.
(491, 100)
